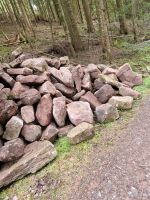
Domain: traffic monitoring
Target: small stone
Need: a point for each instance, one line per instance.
(124, 103)
(93, 70)
(20, 71)
(108, 80)
(47, 87)
(69, 92)
(76, 77)
(37, 64)
(80, 112)
(50, 133)
(59, 110)
(12, 150)
(17, 52)
(13, 128)
(64, 130)
(31, 132)
(125, 91)
(7, 78)
(83, 131)
(64, 60)
(5, 93)
(18, 89)
(86, 82)
(91, 99)
(109, 70)
(8, 109)
(98, 84)
(44, 110)
(104, 93)
(27, 114)
(67, 78)
(31, 79)
(30, 97)
(106, 113)
(78, 95)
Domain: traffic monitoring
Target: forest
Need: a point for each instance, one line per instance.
(69, 27)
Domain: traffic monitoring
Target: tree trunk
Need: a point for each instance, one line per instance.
(105, 40)
(134, 20)
(72, 26)
(122, 18)
(86, 8)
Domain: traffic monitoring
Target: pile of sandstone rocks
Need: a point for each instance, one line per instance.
(44, 98)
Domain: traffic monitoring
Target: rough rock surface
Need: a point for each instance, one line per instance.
(124, 103)
(80, 112)
(38, 64)
(80, 133)
(106, 113)
(91, 99)
(44, 110)
(50, 133)
(104, 93)
(36, 156)
(18, 89)
(12, 150)
(125, 91)
(30, 97)
(59, 110)
(8, 109)
(47, 87)
(64, 130)
(13, 128)
(27, 114)
(31, 132)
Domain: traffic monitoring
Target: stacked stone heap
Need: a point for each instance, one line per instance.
(44, 98)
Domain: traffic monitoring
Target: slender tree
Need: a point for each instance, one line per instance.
(122, 18)
(71, 24)
(87, 13)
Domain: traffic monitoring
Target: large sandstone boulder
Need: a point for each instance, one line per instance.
(91, 99)
(44, 110)
(67, 77)
(20, 59)
(12, 150)
(31, 132)
(125, 91)
(8, 108)
(106, 113)
(36, 156)
(80, 112)
(50, 133)
(37, 64)
(93, 70)
(80, 133)
(59, 110)
(13, 128)
(105, 93)
(30, 97)
(27, 114)
(124, 103)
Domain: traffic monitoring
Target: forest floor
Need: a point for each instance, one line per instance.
(114, 164)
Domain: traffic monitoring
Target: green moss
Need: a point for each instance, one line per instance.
(63, 146)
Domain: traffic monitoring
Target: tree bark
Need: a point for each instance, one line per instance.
(122, 18)
(72, 26)
(86, 8)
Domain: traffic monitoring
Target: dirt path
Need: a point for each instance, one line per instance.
(121, 173)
